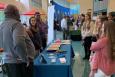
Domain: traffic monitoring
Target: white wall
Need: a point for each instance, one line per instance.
(45, 5)
(85, 5)
(111, 5)
(50, 24)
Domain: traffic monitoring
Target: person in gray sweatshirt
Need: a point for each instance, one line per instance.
(18, 48)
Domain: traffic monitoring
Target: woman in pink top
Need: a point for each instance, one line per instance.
(103, 62)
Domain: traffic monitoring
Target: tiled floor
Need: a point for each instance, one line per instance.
(80, 67)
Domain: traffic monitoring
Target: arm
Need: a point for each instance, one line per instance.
(93, 27)
(95, 30)
(92, 73)
(93, 65)
(19, 42)
(94, 62)
(30, 47)
(99, 44)
(62, 24)
(82, 32)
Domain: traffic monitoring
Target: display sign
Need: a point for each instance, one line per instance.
(50, 24)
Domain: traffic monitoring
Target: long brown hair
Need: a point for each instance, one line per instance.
(88, 16)
(109, 29)
(31, 23)
(102, 19)
(87, 23)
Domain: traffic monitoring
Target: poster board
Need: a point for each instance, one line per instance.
(50, 24)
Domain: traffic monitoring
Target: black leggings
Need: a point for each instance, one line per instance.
(87, 45)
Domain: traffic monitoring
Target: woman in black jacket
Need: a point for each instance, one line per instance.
(33, 32)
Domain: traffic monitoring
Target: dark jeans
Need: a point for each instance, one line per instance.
(44, 43)
(30, 70)
(65, 34)
(19, 70)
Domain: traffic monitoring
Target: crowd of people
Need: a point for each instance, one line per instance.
(99, 44)
(98, 40)
(21, 45)
(66, 24)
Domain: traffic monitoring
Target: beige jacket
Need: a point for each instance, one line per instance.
(87, 29)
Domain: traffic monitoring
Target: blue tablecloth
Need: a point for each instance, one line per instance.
(56, 69)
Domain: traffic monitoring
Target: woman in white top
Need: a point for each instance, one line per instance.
(86, 32)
